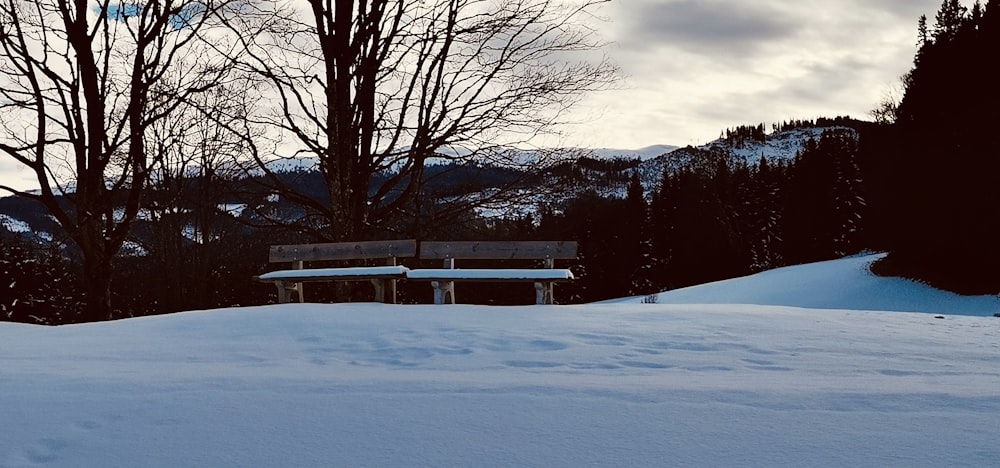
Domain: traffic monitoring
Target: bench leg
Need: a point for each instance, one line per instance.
(282, 292)
(284, 288)
(444, 292)
(544, 293)
(390, 291)
(379, 290)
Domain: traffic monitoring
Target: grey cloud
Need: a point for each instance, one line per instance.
(701, 66)
(826, 90)
(718, 27)
(904, 10)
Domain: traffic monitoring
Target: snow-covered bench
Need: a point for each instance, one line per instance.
(443, 279)
(382, 277)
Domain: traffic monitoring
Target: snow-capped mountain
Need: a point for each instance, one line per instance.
(777, 146)
(782, 145)
(646, 153)
(605, 171)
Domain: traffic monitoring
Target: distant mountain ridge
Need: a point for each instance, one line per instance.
(648, 152)
(781, 145)
(605, 171)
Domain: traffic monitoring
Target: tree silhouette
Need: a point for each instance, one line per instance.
(948, 218)
(387, 87)
(80, 83)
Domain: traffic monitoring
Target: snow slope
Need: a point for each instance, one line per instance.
(782, 145)
(838, 284)
(648, 152)
(624, 384)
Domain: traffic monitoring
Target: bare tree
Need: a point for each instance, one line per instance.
(80, 83)
(383, 87)
(193, 151)
(888, 108)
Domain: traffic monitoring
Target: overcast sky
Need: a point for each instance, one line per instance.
(697, 67)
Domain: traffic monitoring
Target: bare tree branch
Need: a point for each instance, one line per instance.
(386, 86)
(80, 84)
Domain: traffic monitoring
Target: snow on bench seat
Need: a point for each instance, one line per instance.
(324, 274)
(443, 279)
(486, 274)
(383, 277)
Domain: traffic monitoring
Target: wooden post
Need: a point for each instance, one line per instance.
(444, 291)
(389, 286)
(297, 265)
(546, 291)
(282, 291)
(380, 289)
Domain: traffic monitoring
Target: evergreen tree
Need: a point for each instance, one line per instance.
(922, 31)
(37, 284)
(595, 222)
(806, 211)
(947, 218)
(634, 258)
(704, 244)
(663, 214)
(761, 216)
(949, 20)
(824, 200)
(848, 199)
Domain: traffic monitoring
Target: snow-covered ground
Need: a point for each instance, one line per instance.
(18, 226)
(840, 284)
(648, 152)
(611, 384)
(14, 225)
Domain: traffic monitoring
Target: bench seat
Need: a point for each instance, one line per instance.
(485, 274)
(382, 276)
(328, 274)
(443, 280)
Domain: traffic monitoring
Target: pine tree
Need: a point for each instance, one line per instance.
(946, 215)
(663, 213)
(949, 19)
(635, 255)
(761, 217)
(704, 240)
(37, 285)
(846, 190)
(922, 31)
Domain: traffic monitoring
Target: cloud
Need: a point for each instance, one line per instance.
(723, 28)
(697, 67)
(15, 175)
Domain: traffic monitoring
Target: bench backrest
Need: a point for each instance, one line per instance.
(343, 251)
(499, 250)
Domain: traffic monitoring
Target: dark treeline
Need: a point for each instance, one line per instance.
(942, 155)
(744, 133)
(703, 222)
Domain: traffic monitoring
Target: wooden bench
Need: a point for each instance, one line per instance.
(443, 279)
(383, 277)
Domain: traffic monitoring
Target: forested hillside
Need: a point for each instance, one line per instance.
(940, 172)
(685, 217)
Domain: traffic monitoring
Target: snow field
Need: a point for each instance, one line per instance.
(422, 385)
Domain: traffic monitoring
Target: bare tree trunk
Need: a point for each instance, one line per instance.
(74, 103)
(97, 273)
(384, 86)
